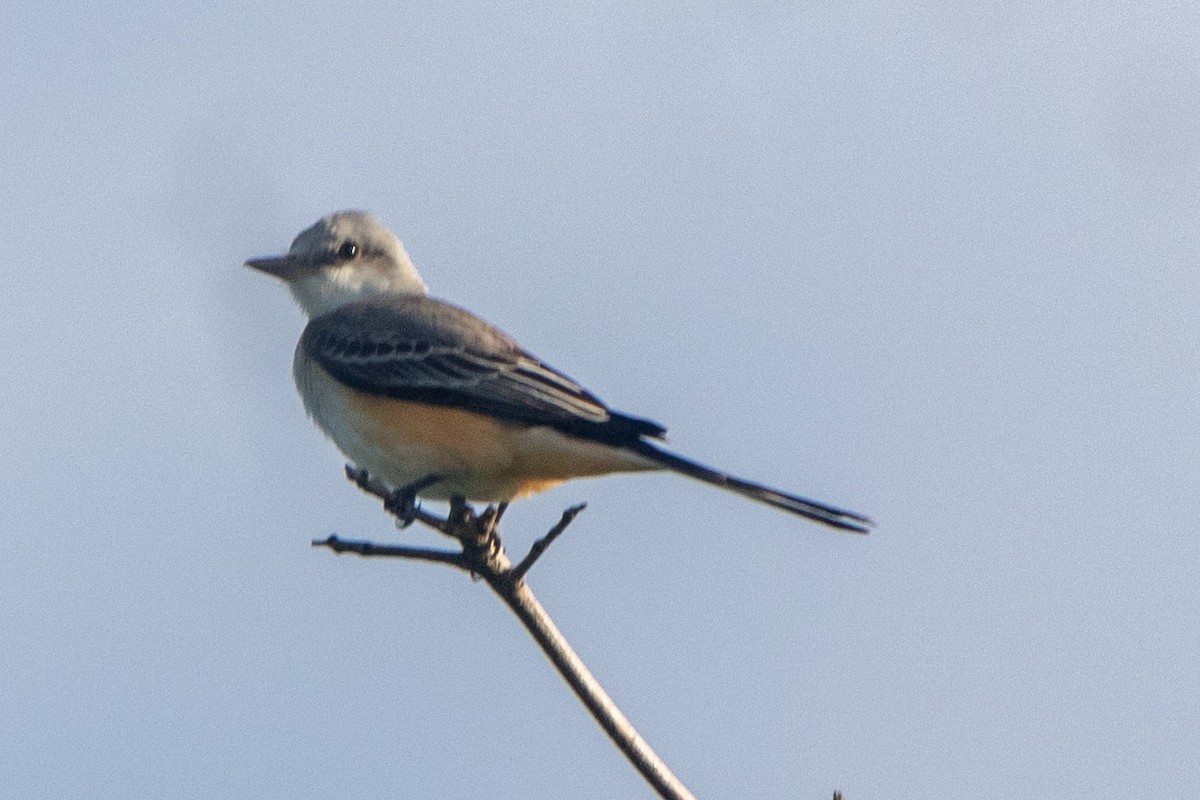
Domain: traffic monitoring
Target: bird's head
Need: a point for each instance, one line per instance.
(344, 257)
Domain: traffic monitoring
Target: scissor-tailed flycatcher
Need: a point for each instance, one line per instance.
(429, 398)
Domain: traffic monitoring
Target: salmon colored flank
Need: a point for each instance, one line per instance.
(469, 442)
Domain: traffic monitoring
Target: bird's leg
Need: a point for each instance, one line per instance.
(476, 532)
(493, 515)
(402, 501)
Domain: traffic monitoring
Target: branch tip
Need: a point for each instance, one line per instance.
(541, 545)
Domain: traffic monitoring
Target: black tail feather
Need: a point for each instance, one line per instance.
(818, 512)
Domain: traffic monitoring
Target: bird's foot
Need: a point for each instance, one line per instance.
(402, 501)
(492, 515)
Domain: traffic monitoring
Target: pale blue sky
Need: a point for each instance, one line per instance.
(937, 264)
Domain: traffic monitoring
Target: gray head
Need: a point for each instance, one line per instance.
(346, 256)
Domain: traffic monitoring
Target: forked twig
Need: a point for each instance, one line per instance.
(483, 554)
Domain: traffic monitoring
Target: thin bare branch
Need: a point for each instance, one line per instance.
(368, 549)
(483, 555)
(539, 547)
(518, 597)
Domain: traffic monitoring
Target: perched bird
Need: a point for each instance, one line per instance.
(435, 402)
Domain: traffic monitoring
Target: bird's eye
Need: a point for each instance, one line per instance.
(348, 250)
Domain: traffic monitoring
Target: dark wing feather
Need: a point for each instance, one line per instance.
(424, 350)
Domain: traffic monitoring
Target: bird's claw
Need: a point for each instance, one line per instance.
(402, 502)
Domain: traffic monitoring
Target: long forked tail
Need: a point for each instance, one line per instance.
(818, 512)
